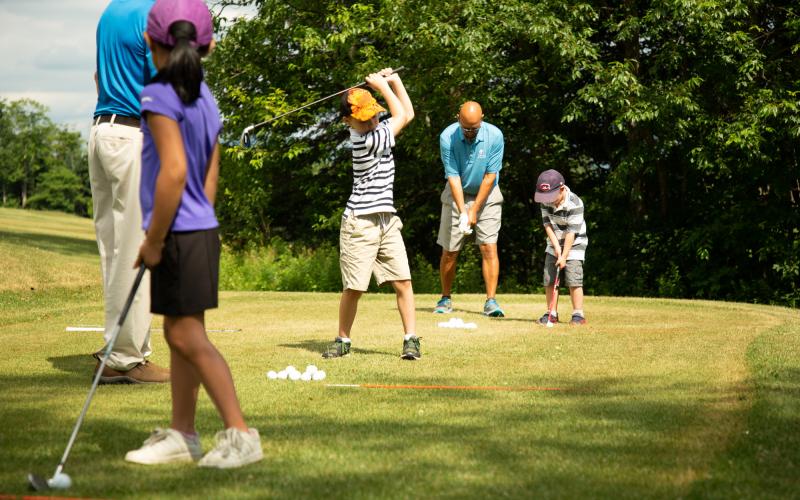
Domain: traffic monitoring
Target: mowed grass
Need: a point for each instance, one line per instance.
(654, 399)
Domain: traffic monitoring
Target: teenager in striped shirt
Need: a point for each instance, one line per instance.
(370, 242)
(562, 216)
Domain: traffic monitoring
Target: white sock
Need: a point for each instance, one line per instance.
(409, 335)
(346, 340)
(579, 312)
(194, 437)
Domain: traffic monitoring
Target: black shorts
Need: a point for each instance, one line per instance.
(185, 282)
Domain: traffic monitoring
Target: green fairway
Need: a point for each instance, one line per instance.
(655, 398)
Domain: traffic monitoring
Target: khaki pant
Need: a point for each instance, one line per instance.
(486, 229)
(372, 244)
(115, 160)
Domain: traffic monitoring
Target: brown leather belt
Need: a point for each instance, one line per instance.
(118, 119)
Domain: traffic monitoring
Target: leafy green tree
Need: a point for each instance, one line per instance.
(60, 189)
(676, 121)
(34, 153)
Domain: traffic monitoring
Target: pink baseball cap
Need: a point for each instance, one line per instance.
(166, 12)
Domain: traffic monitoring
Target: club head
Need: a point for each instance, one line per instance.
(246, 140)
(37, 483)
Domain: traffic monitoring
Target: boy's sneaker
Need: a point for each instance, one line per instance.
(166, 446)
(444, 306)
(337, 349)
(577, 319)
(234, 448)
(543, 320)
(492, 308)
(411, 349)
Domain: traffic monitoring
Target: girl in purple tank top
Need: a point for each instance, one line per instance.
(180, 165)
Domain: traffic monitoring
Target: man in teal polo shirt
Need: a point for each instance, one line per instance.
(472, 154)
(115, 158)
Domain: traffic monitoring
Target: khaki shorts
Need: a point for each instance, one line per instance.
(486, 230)
(372, 244)
(573, 272)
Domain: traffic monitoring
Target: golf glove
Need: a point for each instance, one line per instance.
(463, 223)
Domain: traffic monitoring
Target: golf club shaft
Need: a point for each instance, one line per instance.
(250, 128)
(554, 298)
(100, 368)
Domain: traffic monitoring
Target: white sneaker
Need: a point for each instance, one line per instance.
(166, 446)
(234, 448)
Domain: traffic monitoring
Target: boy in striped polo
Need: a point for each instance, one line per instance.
(562, 216)
(369, 239)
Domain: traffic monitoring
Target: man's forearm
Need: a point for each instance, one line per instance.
(457, 192)
(483, 192)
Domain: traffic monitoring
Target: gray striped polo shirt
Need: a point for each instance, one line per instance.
(567, 218)
(373, 171)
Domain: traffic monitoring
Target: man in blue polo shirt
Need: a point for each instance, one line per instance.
(472, 154)
(115, 159)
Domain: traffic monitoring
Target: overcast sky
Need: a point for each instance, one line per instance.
(47, 53)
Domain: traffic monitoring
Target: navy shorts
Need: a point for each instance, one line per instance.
(186, 280)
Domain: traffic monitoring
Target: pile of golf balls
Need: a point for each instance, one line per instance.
(291, 373)
(457, 323)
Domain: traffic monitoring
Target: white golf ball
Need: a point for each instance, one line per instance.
(306, 376)
(295, 375)
(272, 375)
(60, 481)
(549, 325)
(318, 375)
(282, 375)
(290, 369)
(311, 369)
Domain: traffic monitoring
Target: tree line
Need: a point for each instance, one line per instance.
(676, 121)
(42, 165)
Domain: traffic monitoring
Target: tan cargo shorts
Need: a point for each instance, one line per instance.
(487, 228)
(372, 245)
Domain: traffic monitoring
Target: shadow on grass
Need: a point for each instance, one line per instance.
(606, 438)
(764, 461)
(473, 445)
(320, 347)
(62, 245)
(75, 363)
(445, 317)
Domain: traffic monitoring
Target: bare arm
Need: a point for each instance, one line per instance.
(96, 83)
(398, 112)
(212, 175)
(483, 193)
(551, 235)
(170, 184)
(400, 90)
(569, 239)
(458, 192)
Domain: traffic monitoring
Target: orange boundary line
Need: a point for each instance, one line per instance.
(448, 387)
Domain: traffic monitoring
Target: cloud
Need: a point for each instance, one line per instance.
(47, 53)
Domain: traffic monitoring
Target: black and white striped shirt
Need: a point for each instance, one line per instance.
(567, 218)
(373, 171)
